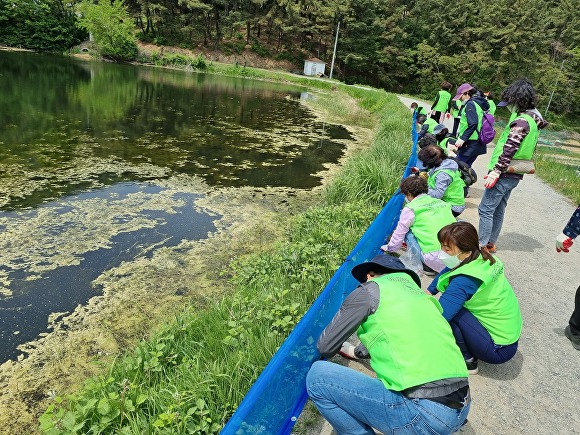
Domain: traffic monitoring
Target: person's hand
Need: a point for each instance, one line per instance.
(563, 243)
(459, 143)
(384, 248)
(490, 179)
(347, 350)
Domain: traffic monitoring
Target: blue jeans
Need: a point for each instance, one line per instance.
(354, 403)
(474, 341)
(492, 209)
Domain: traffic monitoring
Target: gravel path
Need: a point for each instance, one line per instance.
(538, 391)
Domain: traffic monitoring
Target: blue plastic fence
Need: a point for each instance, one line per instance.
(278, 396)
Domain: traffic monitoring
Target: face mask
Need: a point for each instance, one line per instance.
(512, 108)
(450, 261)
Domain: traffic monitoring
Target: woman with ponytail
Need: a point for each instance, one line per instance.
(477, 299)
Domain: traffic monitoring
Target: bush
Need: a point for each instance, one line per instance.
(115, 41)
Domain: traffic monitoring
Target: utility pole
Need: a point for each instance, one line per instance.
(554, 90)
(334, 51)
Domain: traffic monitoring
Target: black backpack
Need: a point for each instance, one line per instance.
(467, 173)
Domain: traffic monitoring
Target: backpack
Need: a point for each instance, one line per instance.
(466, 172)
(487, 132)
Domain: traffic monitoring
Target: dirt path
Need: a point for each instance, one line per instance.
(537, 391)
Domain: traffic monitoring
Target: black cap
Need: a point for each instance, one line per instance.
(385, 262)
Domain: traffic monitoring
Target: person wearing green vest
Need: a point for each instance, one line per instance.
(455, 107)
(467, 146)
(441, 104)
(444, 139)
(489, 97)
(427, 125)
(518, 141)
(444, 179)
(421, 382)
(417, 110)
(477, 299)
(420, 219)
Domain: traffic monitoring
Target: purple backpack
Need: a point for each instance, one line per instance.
(487, 132)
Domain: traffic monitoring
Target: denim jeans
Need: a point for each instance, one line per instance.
(474, 341)
(354, 403)
(492, 209)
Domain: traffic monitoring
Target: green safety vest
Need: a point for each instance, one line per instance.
(421, 110)
(442, 102)
(431, 214)
(454, 193)
(494, 303)
(432, 124)
(409, 341)
(463, 122)
(492, 107)
(455, 108)
(528, 145)
(443, 143)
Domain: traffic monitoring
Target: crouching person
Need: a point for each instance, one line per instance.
(477, 299)
(421, 218)
(422, 381)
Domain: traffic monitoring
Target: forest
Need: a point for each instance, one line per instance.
(401, 46)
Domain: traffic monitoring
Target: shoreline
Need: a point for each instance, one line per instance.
(52, 368)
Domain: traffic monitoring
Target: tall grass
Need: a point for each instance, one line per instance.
(373, 176)
(190, 376)
(562, 175)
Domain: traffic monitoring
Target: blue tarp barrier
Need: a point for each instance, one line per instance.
(278, 396)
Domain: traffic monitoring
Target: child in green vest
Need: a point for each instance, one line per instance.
(477, 299)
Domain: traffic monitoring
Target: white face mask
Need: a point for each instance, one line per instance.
(450, 261)
(512, 108)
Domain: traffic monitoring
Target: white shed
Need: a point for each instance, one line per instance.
(314, 67)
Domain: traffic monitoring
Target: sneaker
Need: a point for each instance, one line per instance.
(347, 350)
(491, 248)
(472, 366)
(428, 271)
(575, 339)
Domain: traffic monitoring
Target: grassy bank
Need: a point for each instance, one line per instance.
(561, 170)
(190, 376)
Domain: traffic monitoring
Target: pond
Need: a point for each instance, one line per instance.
(86, 148)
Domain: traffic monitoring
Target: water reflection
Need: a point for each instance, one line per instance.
(81, 145)
(228, 131)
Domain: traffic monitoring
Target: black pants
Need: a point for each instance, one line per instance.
(455, 127)
(575, 319)
(436, 116)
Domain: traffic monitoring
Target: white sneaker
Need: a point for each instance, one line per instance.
(347, 350)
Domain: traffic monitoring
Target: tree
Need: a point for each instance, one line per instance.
(111, 28)
(44, 25)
